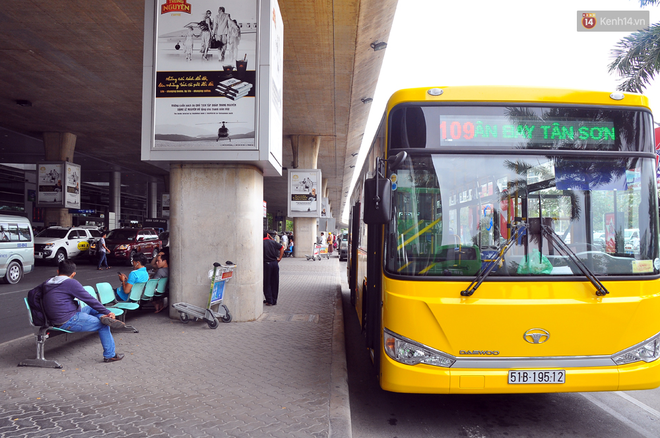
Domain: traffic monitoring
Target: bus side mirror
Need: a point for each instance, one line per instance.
(377, 201)
(378, 192)
(395, 161)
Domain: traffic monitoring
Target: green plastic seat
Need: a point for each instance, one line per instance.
(160, 289)
(106, 296)
(43, 333)
(134, 297)
(150, 290)
(92, 292)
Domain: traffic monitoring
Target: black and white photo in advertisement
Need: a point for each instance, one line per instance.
(49, 184)
(205, 75)
(304, 197)
(72, 195)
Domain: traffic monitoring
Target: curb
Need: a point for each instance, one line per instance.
(340, 406)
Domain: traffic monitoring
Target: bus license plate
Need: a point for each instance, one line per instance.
(537, 376)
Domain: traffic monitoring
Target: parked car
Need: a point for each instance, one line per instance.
(57, 244)
(16, 248)
(631, 240)
(599, 241)
(343, 250)
(125, 243)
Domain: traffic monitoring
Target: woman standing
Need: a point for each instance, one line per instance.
(233, 40)
(206, 25)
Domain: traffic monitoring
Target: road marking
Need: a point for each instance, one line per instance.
(618, 416)
(638, 403)
(22, 291)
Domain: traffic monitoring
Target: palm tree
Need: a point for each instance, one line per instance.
(637, 56)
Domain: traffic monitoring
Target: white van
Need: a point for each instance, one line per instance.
(631, 240)
(16, 248)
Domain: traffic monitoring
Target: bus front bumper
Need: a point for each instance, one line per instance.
(397, 377)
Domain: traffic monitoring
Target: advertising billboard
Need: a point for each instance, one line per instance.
(58, 184)
(303, 193)
(204, 63)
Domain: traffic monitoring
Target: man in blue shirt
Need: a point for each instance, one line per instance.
(138, 275)
(63, 312)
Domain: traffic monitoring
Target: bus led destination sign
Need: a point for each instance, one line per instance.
(501, 131)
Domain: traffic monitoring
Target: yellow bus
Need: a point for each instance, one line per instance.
(490, 246)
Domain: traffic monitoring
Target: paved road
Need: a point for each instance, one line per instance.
(377, 413)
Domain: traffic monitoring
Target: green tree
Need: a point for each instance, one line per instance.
(637, 56)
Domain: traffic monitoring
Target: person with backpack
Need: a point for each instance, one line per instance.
(61, 310)
(102, 251)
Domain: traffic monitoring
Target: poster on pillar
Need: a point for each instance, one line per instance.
(58, 184)
(303, 193)
(205, 66)
(165, 203)
(205, 74)
(325, 208)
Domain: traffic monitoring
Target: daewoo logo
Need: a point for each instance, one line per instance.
(536, 336)
(479, 352)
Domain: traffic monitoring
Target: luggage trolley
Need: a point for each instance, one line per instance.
(219, 276)
(316, 253)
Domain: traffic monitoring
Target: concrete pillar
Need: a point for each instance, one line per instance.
(58, 146)
(166, 208)
(152, 200)
(114, 204)
(304, 233)
(326, 194)
(305, 156)
(217, 215)
(324, 188)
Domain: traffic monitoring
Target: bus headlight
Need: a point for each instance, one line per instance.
(648, 351)
(410, 352)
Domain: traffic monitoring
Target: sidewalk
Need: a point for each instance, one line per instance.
(283, 375)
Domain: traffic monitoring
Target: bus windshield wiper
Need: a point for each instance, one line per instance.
(519, 230)
(562, 247)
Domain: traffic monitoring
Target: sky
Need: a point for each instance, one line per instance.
(508, 42)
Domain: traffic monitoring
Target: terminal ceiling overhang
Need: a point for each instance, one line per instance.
(79, 64)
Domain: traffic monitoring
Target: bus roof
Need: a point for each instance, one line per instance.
(486, 93)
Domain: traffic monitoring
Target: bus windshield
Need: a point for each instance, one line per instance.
(454, 212)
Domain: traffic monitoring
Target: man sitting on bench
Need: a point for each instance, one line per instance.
(63, 311)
